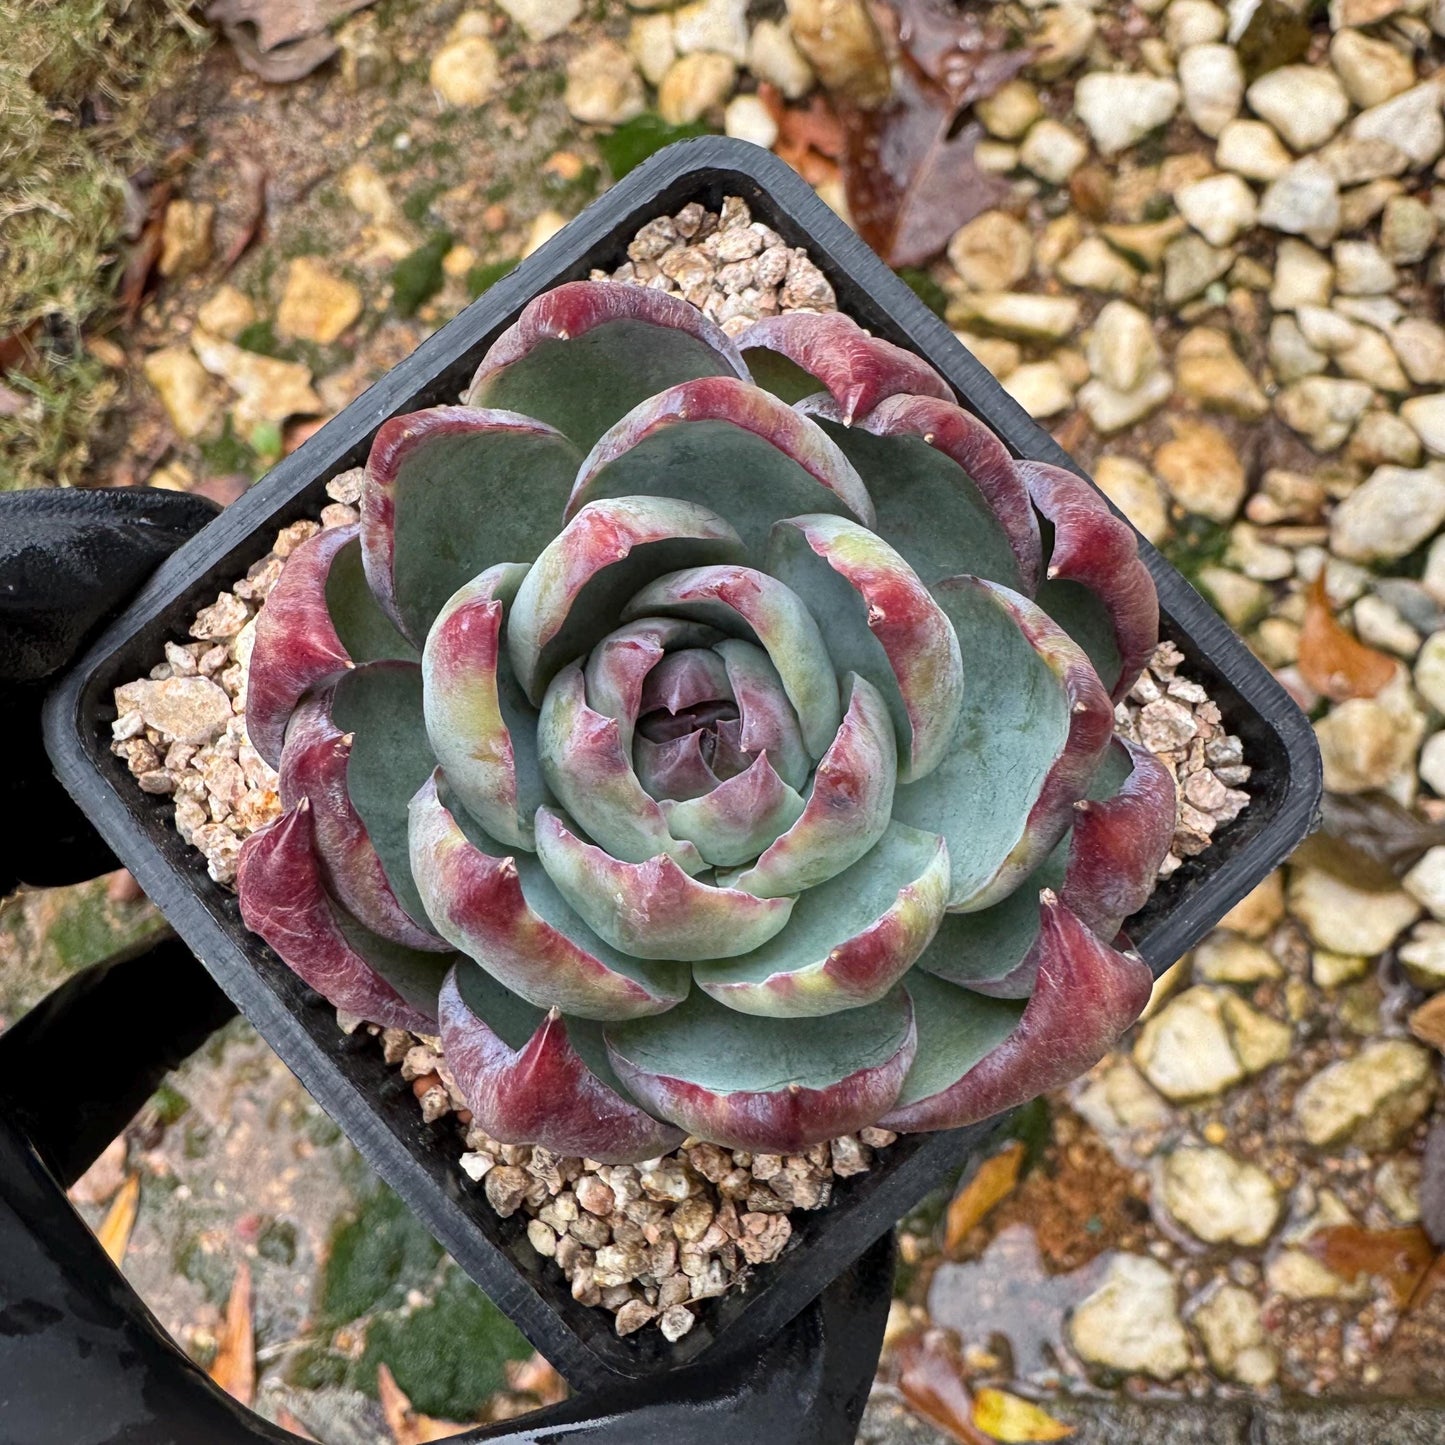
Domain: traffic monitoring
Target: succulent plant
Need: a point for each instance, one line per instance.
(712, 737)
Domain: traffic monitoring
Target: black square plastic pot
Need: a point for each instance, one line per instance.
(347, 1076)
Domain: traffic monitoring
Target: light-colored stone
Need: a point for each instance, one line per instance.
(1110, 410)
(1328, 331)
(1427, 415)
(1184, 1050)
(747, 118)
(183, 387)
(1370, 742)
(1230, 1325)
(1345, 13)
(1362, 269)
(1201, 470)
(603, 86)
(1410, 121)
(542, 19)
(1397, 1187)
(1208, 371)
(1426, 880)
(1322, 409)
(1146, 243)
(1372, 71)
(1193, 22)
(841, 42)
(1304, 201)
(1052, 152)
(993, 252)
(1116, 1100)
(1382, 439)
(1372, 1100)
(1345, 919)
(1009, 112)
(1371, 359)
(1226, 957)
(1430, 671)
(1390, 515)
(1063, 37)
(1432, 764)
(1041, 388)
(465, 72)
(316, 304)
(1259, 911)
(226, 312)
(1132, 487)
(649, 42)
(269, 390)
(1251, 149)
(186, 232)
(1217, 1198)
(1304, 103)
(1191, 265)
(1212, 82)
(1332, 970)
(1302, 277)
(1420, 346)
(718, 25)
(1218, 207)
(1018, 314)
(1408, 228)
(1258, 1040)
(1122, 349)
(1290, 354)
(1120, 109)
(191, 710)
(694, 85)
(772, 57)
(1422, 955)
(1094, 265)
(1131, 1322)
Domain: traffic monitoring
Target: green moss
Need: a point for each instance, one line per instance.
(626, 147)
(375, 1259)
(1197, 543)
(449, 1356)
(924, 287)
(416, 278)
(169, 1105)
(314, 1367)
(260, 337)
(87, 928)
(574, 194)
(277, 1242)
(228, 453)
(418, 201)
(479, 278)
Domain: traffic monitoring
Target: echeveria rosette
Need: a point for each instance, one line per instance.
(711, 737)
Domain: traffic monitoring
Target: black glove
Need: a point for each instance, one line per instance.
(69, 560)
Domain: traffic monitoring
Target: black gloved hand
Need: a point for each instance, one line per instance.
(68, 561)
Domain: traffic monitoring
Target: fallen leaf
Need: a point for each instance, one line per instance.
(408, 1426)
(287, 1421)
(810, 138)
(252, 175)
(1369, 839)
(931, 1380)
(281, 40)
(992, 1181)
(535, 1376)
(234, 1368)
(1427, 1022)
(1332, 659)
(1015, 1421)
(115, 1228)
(1398, 1258)
(957, 48)
(141, 261)
(909, 171)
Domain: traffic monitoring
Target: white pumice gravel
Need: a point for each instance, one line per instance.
(647, 1242)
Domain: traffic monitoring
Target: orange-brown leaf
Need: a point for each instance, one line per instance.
(287, 1421)
(408, 1426)
(115, 1228)
(1016, 1422)
(1398, 1258)
(234, 1368)
(931, 1381)
(810, 138)
(992, 1182)
(1332, 660)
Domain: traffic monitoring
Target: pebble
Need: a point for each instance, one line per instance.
(1208, 371)
(1094, 265)
(747, 118)
(1427, 415)
(1408, 228)
(316, 305)
(1062, 39)
(603, 86)
(1121, 109)
(1191, 265)
(1052, 152)
(1258, 1040)
(993, 252)
(772, 57)
(226, 312)
(1303, 201)
(1372, 71)
(541, 19)
(1372, 1100)
(841, 42)
(1218, 1198)
(1131, 1322)
(649, 43)
(1193, 22)
(1370, 743)
(1218, 207)
(1345, 919)
(1323, 409)
(1396, 510)
(1370, 359)
(719, 26)
(1420, 346)
(1430, 672)
(1230, 1324)
(1212, 82)
(1226, 957)
(1251, 149)
(1184, 1050)
(1117, 1100)
(269, 390)
(186, 237)
(1303, 276)
(1201, 470)
(1362, 269)
(1304, 103)
(1122, 349)
(191, 710)
(1041, 388)
(1133, 488)
(694, 85)
(1410, 121)
(1426, 880)
(1009, 112)
(184, 389)
(466, 72)
(1110, 410)
(1018, 314)
(1422, 955)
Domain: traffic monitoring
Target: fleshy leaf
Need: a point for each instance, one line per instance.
(794, 354)
(592, 777)
(971, 1065)
(353, 751)
(504, 912)
(617, 667)
(531, 1077)
(283, 898)
(571, 598)
(766, 1084)
(768, 723)
(948, 494)
(653, 909)
(743, 601)
(482, 730)
(319, 620)
(1034, 722)
(738, 818)
(847, 808)
(725, 444)
(429, 472)
(584, 354)
(673, 770)
(849, 939)
(1098, 588)
(879, 621)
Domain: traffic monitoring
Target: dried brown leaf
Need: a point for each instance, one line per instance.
(958, 48)
(810, 138)
(1332, 660)
(408, 1426)
(931, 1380)
(287, 1421)
(1399, 1258)
(115, 1228)
(992, 1182)
(252, 175)
(234, 1368)
(281, 40)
